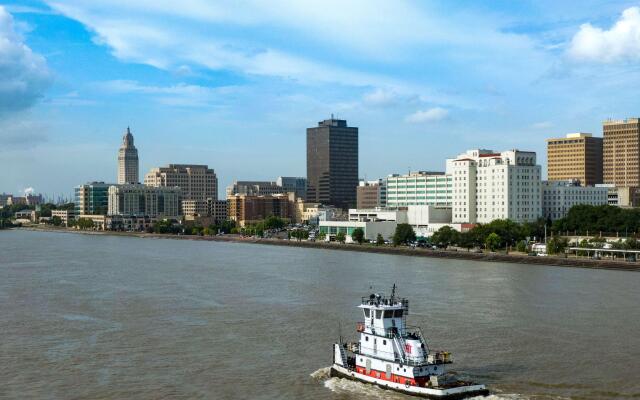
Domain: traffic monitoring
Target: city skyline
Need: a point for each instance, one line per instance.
(513, 76)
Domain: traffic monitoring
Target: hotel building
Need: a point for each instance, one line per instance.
(246, 210)
(489, 185)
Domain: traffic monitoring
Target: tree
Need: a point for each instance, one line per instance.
(522, 246)
(631, 243)
(445, 237)
(465, 240)
(321, 236)
(84, 223)
(56, 220)
(358, 235)
(341, 237)
(379, 240)
(556, 245)
(165, 226)
(299, 234)
(273, 222)
(227, 225)
(492, 242)
(403, 235)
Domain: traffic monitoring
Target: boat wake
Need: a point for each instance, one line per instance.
(356, 389)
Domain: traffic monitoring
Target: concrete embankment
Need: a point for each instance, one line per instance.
(404, 251)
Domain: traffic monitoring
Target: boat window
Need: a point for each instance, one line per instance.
(398, 314)
(384, 342)
(366, 338)
(388, 314)
(378, 314)
(366, 312)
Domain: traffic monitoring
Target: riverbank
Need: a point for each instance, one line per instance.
(404, 251)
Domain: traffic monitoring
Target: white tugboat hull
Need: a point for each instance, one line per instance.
(458, 392)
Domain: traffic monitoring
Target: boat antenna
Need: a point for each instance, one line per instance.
(393, 292)
(339, 332)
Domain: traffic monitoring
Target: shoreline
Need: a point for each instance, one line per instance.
(404, 251)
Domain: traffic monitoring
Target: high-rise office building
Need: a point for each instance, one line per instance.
(621, 147)
(128, 167)
(197, 182)
(575, 157)
(332, 163)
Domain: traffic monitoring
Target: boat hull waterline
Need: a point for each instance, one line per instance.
(461, 392)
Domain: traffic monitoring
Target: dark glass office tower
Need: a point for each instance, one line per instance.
(332, 163)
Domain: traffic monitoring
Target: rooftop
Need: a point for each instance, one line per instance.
(621, 121)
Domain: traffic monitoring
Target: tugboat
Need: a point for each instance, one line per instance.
(394, 356)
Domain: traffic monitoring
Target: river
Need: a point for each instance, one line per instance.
(107, 317)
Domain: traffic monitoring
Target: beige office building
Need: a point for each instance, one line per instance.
(197, 182)
(620, 152)
(578, 156)
(143, 200)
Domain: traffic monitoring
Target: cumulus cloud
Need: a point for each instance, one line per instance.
(24, 74)
(429, 115)
(621, 42)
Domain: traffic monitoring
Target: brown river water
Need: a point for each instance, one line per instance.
(105, 317)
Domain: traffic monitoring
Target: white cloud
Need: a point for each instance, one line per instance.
(542, 125)
(308, 42)
(23, 74)
(429, 115)
(380, 97)
(176, 95)
(621, 42)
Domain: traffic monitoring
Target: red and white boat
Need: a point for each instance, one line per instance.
(394, 356)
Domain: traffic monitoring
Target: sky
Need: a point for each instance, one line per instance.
(235, 84)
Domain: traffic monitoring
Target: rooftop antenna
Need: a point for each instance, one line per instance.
(331, 115)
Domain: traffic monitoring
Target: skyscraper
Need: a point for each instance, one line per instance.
(621, 147)
(578, 156)
(332, 163)
(127, 160)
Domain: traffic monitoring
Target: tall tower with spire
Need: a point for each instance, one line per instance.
(128, 160)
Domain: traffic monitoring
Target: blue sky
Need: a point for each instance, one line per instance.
(234, 84)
